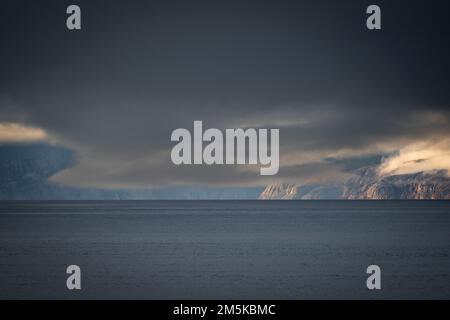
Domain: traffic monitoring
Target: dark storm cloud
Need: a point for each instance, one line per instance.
(115, 90)
(359, 127)
(354, 163)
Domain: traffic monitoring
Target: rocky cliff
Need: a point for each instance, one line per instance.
(284, 191)
(366, 184)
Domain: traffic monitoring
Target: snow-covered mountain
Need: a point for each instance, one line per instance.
(25, 171)
(367, 184)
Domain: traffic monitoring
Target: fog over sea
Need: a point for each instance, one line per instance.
(225, 249)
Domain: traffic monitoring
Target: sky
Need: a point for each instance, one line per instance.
(114, 91)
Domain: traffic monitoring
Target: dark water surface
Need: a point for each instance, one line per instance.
(225, 249)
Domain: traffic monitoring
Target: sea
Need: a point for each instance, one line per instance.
(225, 249)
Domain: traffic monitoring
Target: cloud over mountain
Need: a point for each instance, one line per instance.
(419, 157)
(115, 91)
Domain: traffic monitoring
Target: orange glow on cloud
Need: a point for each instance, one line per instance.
(419, 157)
(14, 132)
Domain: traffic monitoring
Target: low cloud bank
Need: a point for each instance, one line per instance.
(15, 132)
(426, 156)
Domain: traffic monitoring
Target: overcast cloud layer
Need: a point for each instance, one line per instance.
(115, 90)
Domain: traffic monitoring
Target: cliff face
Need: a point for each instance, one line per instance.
(419, 186)
(279, 191)
(367, 184)
(283, 191)
(25, 170)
